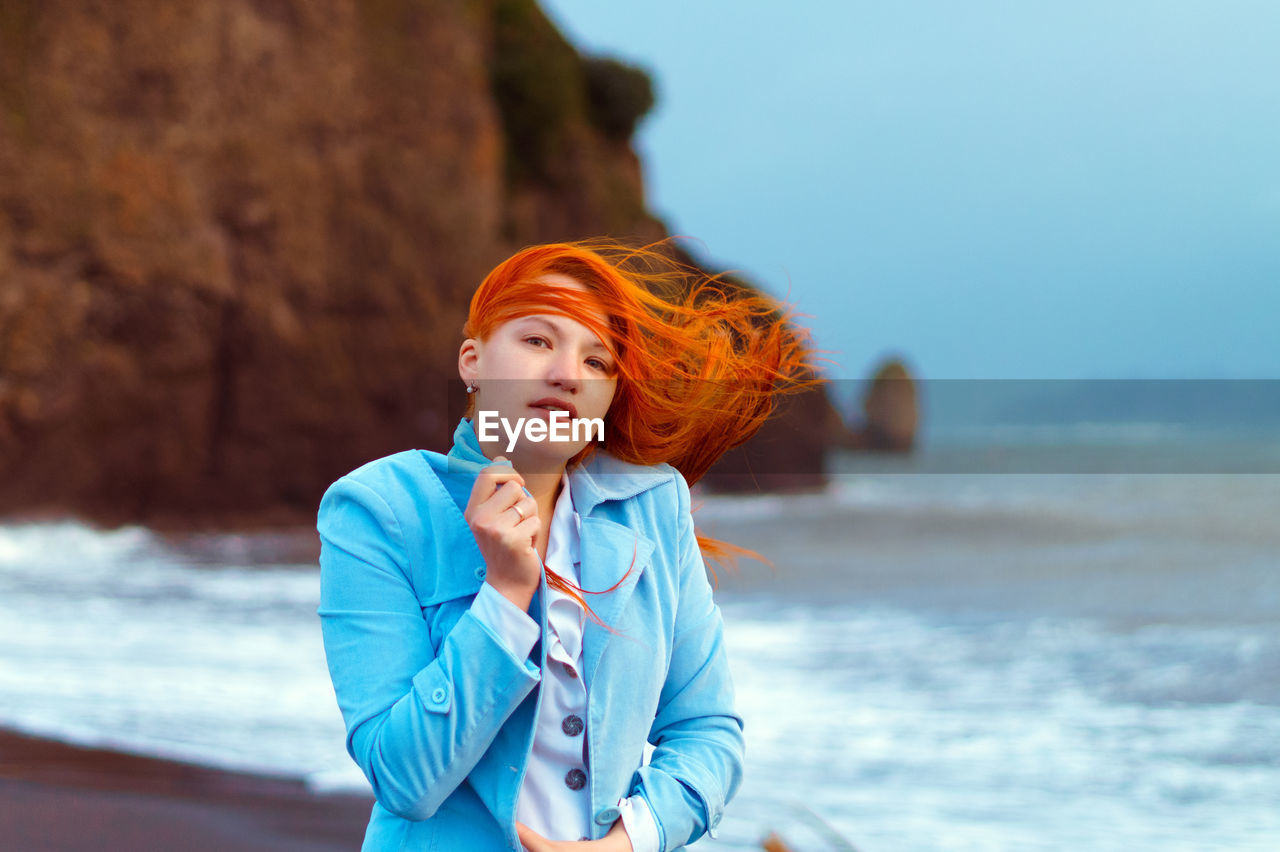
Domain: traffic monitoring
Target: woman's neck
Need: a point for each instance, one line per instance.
(545, 488)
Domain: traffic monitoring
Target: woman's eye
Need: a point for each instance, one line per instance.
(597, 364)
(536, 340)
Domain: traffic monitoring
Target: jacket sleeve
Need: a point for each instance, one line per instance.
(696, 766)
(417, 721)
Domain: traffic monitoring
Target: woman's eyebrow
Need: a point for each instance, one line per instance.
(559, 332)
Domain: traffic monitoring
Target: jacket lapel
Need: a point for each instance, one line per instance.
(611, 555)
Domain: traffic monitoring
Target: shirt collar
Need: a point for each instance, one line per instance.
(565, 531)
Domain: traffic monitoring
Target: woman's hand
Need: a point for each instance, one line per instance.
(615, 841)
(505, 523)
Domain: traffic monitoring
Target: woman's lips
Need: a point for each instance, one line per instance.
(566, 406)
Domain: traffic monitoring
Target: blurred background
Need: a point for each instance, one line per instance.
(1024, 590)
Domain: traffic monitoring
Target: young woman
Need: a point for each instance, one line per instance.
(511, 627)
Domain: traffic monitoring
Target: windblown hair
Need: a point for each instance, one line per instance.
(700, 359)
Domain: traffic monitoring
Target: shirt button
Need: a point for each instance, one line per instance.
(576, 779)
(572, 725)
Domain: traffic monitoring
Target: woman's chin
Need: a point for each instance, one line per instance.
(546, 456)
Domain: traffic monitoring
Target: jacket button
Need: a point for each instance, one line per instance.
(479, 572)
(607, 816)
(572, 725)
(438, 695)
(576, 779)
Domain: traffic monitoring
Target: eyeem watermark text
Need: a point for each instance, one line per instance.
(559, 427)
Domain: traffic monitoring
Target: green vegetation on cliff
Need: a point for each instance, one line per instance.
(546, 91)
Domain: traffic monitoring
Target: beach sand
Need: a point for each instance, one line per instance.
(56, 797)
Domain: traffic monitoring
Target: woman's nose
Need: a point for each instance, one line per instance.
(565, 371)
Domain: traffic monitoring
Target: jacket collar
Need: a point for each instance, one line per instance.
(601, 477)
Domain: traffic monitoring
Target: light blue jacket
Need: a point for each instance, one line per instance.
(440, 715)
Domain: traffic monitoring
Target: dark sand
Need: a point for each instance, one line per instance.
(56, 797)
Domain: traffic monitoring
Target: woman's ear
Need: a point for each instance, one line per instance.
(468, 360)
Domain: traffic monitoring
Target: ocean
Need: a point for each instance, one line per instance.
(935, 660)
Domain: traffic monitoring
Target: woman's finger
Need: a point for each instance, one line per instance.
(494, 476)
(523, 510)
(532, 840)
(508, 495)
(489, 481)
(535, 842)
(528, 529)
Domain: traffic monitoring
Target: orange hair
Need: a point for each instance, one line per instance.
(700, 359)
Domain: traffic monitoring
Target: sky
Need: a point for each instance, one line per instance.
(1049, 190)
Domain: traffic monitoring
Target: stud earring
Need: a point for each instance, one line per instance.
(471, 387)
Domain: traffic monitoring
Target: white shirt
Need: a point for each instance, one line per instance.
(554, 797)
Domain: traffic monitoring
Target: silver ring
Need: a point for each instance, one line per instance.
(518, 512)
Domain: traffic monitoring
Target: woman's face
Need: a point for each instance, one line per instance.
(531, 365)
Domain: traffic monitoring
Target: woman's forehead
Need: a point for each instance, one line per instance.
(561, 281)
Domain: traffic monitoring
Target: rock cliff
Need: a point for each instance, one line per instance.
(237, 239)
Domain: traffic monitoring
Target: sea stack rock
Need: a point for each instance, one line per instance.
(890, 409)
